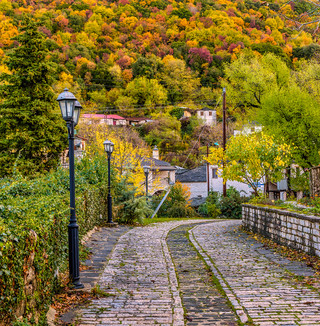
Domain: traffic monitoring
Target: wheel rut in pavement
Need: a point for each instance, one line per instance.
(202, 301)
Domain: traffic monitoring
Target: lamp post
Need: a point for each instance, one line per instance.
(146, 169)
(224, 137)
(70, 110)
(108, 147)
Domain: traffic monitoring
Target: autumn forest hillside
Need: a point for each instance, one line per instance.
(135, 56)
(152, 58)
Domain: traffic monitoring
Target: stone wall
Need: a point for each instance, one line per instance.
(287, 228)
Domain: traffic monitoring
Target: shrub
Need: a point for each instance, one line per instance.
(211, 206)
(225, 207)
(180, 210)
(133, 210)
(176, 204)
(230, 205)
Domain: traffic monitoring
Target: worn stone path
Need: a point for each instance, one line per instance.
(256, 279)
(142, 283)
(141, 280)
(203, 303)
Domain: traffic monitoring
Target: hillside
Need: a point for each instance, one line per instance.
(134, 56)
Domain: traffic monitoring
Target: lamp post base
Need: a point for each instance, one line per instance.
(77, 285)
(112, 224)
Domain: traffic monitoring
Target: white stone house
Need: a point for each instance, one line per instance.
(208, 116)
(201, 180)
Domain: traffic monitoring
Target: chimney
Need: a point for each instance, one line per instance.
(155, 153)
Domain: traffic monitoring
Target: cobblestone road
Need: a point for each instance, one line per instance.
(141, 279)
(255, 279)
(203, 303)
(142, 282)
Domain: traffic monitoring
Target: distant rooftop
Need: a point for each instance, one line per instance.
(157, 164)
(101, 116)
(198, 174)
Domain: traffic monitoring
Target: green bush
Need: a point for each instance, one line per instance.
(230, 205)
(211, 206)
(34, 218)
(176, 204)
(226, 207)
(180, 210)
(133, 210)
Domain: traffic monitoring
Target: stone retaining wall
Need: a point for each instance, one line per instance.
(287, 228)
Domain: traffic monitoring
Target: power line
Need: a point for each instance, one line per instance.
(199, 137)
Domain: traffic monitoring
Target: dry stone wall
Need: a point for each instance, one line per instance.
(291, 229)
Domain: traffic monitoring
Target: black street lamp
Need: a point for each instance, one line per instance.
(70, 110)
(108, 147)
(146, 169)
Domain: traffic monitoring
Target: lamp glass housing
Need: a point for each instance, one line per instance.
(67, 109)
(76, 112)
(67, 103)
(108, 146)
(146, 169)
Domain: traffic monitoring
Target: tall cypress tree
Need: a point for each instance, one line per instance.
(32, 132)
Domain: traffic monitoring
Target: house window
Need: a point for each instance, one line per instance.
(214, 173)
(201, 113)
(210, 114)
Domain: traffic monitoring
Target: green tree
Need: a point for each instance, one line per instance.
(181, 83)
(32, 132)
(143, 92)
(148, 67)
(291, 113)
(251, 78)
(165, 132)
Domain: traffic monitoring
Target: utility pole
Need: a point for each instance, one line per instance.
(224, 136)
(208, 166)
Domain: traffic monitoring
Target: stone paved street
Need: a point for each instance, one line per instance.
(143, 270)
(203, 303)
(255, 279)
(141, 279)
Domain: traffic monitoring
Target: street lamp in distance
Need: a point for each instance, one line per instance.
(108, 147)
(146, 169)
(70, 110)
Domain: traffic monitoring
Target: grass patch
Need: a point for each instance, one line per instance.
(148, 221)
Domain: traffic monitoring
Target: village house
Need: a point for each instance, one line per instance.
(133, 121)
(248, 129)
(208, 116)
(161, 175)
(109, 119)
(79, 148)
(205, 179)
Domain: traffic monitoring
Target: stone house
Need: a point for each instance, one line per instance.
(161, 175)
(208, 116)
(133, 121)
(79, 148)
(248, 129)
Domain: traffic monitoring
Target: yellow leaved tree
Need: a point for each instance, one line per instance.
(129, 151)
(252, 158)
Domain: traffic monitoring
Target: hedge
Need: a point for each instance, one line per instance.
(34, 218)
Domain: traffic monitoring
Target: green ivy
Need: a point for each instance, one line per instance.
(34, 218)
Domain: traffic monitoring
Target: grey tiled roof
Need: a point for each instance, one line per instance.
(198, 174)
(157, 164)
